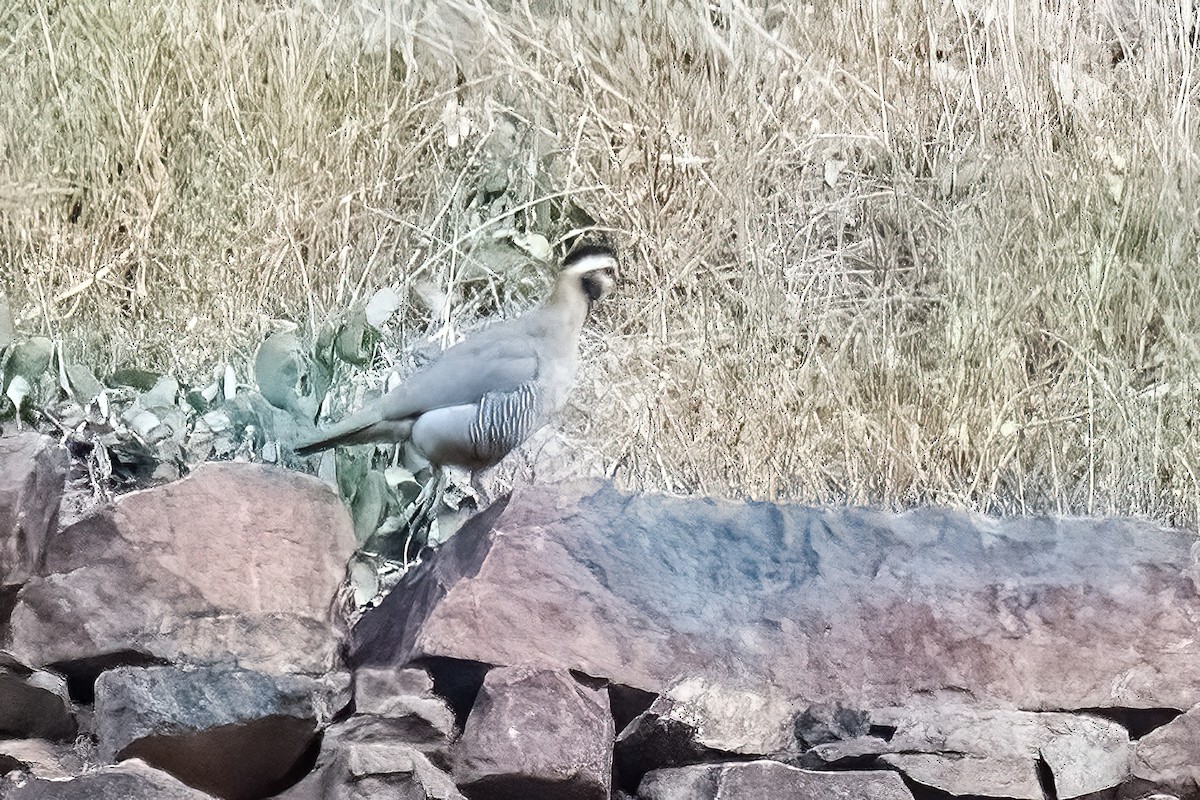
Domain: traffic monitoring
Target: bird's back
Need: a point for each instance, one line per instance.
(499, 358)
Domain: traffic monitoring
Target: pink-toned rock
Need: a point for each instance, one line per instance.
(236, 563)
(33, 470)
(536, 734)
(131, 780)
(854, 606)
(759, 780)
(236, 734)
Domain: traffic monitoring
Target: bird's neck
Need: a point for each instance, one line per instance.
(569, 301)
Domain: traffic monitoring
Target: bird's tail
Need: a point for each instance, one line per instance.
(361, 428)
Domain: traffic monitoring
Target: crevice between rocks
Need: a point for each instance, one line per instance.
(1045, 776)
(457, 681)
(627, 703)
(884, 732)
(920, 791)
(847, 764)
(81, 674)
(1138, 721)
(505, 788)
(8, 601)
(667, 744)
(241, 761)
(305, 764)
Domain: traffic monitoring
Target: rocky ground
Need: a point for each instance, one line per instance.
(190, 641)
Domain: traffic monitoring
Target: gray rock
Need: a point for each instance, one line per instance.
(823, 723)
(956, 749)
(234, 733)
(398, 706)
(696, 721)
(757, 780)
(33, 471)
(402, 702)
(857, 607)
(236, 563)
(39, 758)
(373, 771)
(33, 702)
(993, 753)
(375, 689)
(131, 780)
(691, 782)
(1168, 759)
(536, 734)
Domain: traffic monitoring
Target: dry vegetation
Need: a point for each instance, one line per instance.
(874, 252)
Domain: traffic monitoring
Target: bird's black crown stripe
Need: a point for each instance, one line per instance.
(583, 251)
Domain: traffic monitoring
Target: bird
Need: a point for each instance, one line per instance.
(487, 394)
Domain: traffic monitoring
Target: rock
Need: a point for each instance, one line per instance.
(992, 753)
(33, 702)
(398, 706)
(957, 749)
(230, 732)
(1168, 759)
(403, 703)
(697, 721)
(375, 771)
(131, 780)
(850, 606)
(236, 563)
(39, 758)
(334, 694)
(33, 470)
(755, 780)
(536, 734)
(823, 723)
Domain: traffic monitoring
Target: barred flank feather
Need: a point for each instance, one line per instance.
(504, 420)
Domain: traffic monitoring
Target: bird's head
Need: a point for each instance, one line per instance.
(594, 266)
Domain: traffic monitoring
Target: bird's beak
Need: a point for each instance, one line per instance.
(608, 278)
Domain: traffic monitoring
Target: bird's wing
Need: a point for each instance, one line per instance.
(492, 360)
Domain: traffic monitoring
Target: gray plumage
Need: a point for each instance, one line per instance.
(490, 392)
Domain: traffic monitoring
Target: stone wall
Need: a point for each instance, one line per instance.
(576, 642)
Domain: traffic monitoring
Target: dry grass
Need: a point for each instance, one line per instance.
(877, 252)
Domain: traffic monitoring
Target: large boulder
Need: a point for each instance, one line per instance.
(846, 605)
(236, 564)
(536, 734)
(33, 471)
(235, 734)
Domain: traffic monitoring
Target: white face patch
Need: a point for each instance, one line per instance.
(591, 263)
